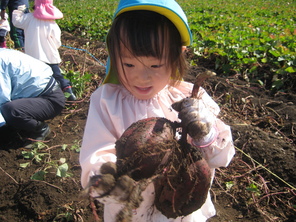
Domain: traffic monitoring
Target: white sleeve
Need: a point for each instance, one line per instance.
(98, 145)
(18, 19)
(54, 37)
(220, 152)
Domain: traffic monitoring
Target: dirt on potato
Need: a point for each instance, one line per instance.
(148, 150)
(258, 185)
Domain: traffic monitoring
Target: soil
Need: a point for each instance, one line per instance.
(258, 185)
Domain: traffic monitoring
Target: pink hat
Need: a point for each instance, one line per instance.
(44, 9)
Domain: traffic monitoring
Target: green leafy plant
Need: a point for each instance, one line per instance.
(254, 189)
(76, 146)
(79, 81)
(37, 154)
(39, 175)
(60, 167)
(229, 185)
(69, 213)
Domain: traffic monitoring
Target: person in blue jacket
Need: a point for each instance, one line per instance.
(29, 94)
(16, 34)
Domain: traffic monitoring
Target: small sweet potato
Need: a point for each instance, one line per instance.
(184, 186)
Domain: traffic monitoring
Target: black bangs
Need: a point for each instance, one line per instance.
(140, 31)
(147, 33)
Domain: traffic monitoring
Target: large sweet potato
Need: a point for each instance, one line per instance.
(181, 176)
(144, 147)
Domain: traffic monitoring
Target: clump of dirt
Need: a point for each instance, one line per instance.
(258, 185)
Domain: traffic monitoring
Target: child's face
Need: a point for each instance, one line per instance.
(143, 76)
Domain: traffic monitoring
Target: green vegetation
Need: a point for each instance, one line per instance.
(40, 154)
(78, 81)
(252, 38)
(90, 19)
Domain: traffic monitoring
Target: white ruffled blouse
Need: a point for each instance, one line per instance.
(112, 110)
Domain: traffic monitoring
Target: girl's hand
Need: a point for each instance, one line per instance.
(196, 119)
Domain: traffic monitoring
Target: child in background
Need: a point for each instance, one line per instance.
(16, 34)
(144, 78)
(43, 37)
(4, 29)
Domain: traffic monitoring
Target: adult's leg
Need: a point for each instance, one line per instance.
(27, 113)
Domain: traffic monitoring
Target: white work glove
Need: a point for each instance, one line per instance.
(21, 8)
(107, 188)
(197, 120)
(101, 184)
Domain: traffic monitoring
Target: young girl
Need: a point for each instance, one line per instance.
(144, 79)
(43, 37)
